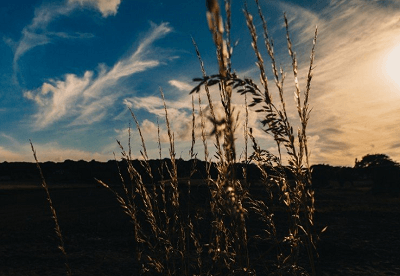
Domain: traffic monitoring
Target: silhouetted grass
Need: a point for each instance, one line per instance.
(170, 232)
(235, 229)
(53, 214)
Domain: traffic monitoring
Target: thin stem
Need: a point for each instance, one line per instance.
(53, 212)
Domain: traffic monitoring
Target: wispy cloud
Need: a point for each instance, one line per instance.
(11, 141)
(179, 115)
(37, 32)
(183, 86)
(302, 22)
(86, 99)
(106, 7)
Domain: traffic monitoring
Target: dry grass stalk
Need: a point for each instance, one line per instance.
(168, 235)
(213, 117)
(298, 198)
(230, 238)
(53, 213)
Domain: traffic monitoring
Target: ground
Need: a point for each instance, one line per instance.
(362, 236)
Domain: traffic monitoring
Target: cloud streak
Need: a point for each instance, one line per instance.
(179, 115)
(86, 99)
(36, 33)
(106, 7)
(181, 85)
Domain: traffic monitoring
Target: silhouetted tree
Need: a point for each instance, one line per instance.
(374, 160)
(384, 172)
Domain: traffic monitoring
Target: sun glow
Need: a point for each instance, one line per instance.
(392, 65)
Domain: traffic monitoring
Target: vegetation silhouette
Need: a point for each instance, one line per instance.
(382, 172)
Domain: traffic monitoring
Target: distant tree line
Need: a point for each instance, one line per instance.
(380, 169)
(85, 172)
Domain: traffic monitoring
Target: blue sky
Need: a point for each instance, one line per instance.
(70, 69)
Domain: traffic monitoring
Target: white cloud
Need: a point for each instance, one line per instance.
(87, 98)
(302, 22)
(149, 129)
(56, 98)
(155, 105)
(106, 7)
(183, 86)
(179, 115)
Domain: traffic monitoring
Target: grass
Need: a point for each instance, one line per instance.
(233, 231)
(53, 213)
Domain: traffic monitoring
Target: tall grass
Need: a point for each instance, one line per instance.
(238, 228)
(173, 237)
(57, 227)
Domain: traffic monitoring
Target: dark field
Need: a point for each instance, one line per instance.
(362, 236)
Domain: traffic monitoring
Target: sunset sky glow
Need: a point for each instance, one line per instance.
(70, 69)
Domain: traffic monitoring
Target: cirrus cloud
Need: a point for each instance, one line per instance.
(106, 7)
(86, 99)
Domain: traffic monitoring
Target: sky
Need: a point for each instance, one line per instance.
(69, 71)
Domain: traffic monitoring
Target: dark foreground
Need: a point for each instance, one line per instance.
(362, 236)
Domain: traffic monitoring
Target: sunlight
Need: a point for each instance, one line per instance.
(392, 65)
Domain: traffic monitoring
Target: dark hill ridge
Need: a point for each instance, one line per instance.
(85, 172)
(384, 178)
